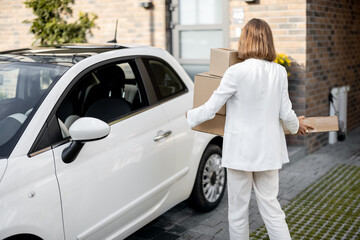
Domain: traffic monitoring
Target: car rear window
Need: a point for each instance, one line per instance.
(166, 81)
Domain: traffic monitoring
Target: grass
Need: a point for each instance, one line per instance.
(328, 209)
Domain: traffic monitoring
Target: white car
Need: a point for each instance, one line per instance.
(94, 142)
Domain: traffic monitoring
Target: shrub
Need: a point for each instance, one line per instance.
(50, 27)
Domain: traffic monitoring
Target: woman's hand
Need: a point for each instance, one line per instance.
(303, 128)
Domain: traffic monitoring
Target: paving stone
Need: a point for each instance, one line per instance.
(149, 232)
(190, 223)
(205, 237)
(223, 232)
(207, 230)
(163, 223)
(180, 215)
(212, 221)
(190, 235)
(134, 237)
(177, 229)
(166, 236)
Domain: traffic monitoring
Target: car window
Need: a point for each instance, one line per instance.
(165, 80)
(23, 85)
(8, 83)
(108, 93)
(45, 79)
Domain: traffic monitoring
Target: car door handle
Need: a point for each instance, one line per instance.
(162, 135)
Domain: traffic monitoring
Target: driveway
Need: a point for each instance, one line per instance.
(181, 222)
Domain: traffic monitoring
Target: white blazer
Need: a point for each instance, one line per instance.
(256, 96)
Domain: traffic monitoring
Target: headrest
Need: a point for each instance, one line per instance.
(111, 76)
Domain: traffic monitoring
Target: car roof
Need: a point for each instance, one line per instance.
(70, 48)
(63, 54)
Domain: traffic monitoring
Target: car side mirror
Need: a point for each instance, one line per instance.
(85, 129)
(1, 79)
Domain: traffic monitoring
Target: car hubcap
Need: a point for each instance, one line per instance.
(213, 179)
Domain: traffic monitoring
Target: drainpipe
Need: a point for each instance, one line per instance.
(338, 107)
(169, 25)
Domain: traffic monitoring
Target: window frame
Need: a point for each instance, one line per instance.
(50, 128)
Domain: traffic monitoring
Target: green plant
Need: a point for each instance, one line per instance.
(50, 27)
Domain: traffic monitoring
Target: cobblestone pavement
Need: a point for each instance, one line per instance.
(181, 222)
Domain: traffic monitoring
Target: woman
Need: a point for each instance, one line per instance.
(256, 95)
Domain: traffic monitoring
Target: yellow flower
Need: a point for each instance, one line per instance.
(284, 61)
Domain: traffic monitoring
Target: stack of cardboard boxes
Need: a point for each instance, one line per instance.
(207, 83)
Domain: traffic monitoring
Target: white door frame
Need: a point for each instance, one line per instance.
(177, 28)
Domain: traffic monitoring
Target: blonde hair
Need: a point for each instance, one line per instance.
(256, 41)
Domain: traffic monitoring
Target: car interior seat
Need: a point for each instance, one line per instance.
(107, 99)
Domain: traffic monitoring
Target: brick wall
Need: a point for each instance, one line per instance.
(320, 36)
(287, 19)
(333, 59)
(134, 25)
(322, 39)
(14, 34)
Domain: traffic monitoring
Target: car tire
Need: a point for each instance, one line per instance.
(210, 182)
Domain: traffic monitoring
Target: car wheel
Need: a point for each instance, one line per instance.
(210, 182)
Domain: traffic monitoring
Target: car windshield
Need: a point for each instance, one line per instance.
(23, 86)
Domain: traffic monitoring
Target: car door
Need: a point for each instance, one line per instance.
(174, 97)
(116, 182)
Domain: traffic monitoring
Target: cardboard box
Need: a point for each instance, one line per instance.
(221, 59)
(321, 124)
(213, 126)
(204, 86)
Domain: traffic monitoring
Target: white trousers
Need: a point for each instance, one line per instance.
(266, 187)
